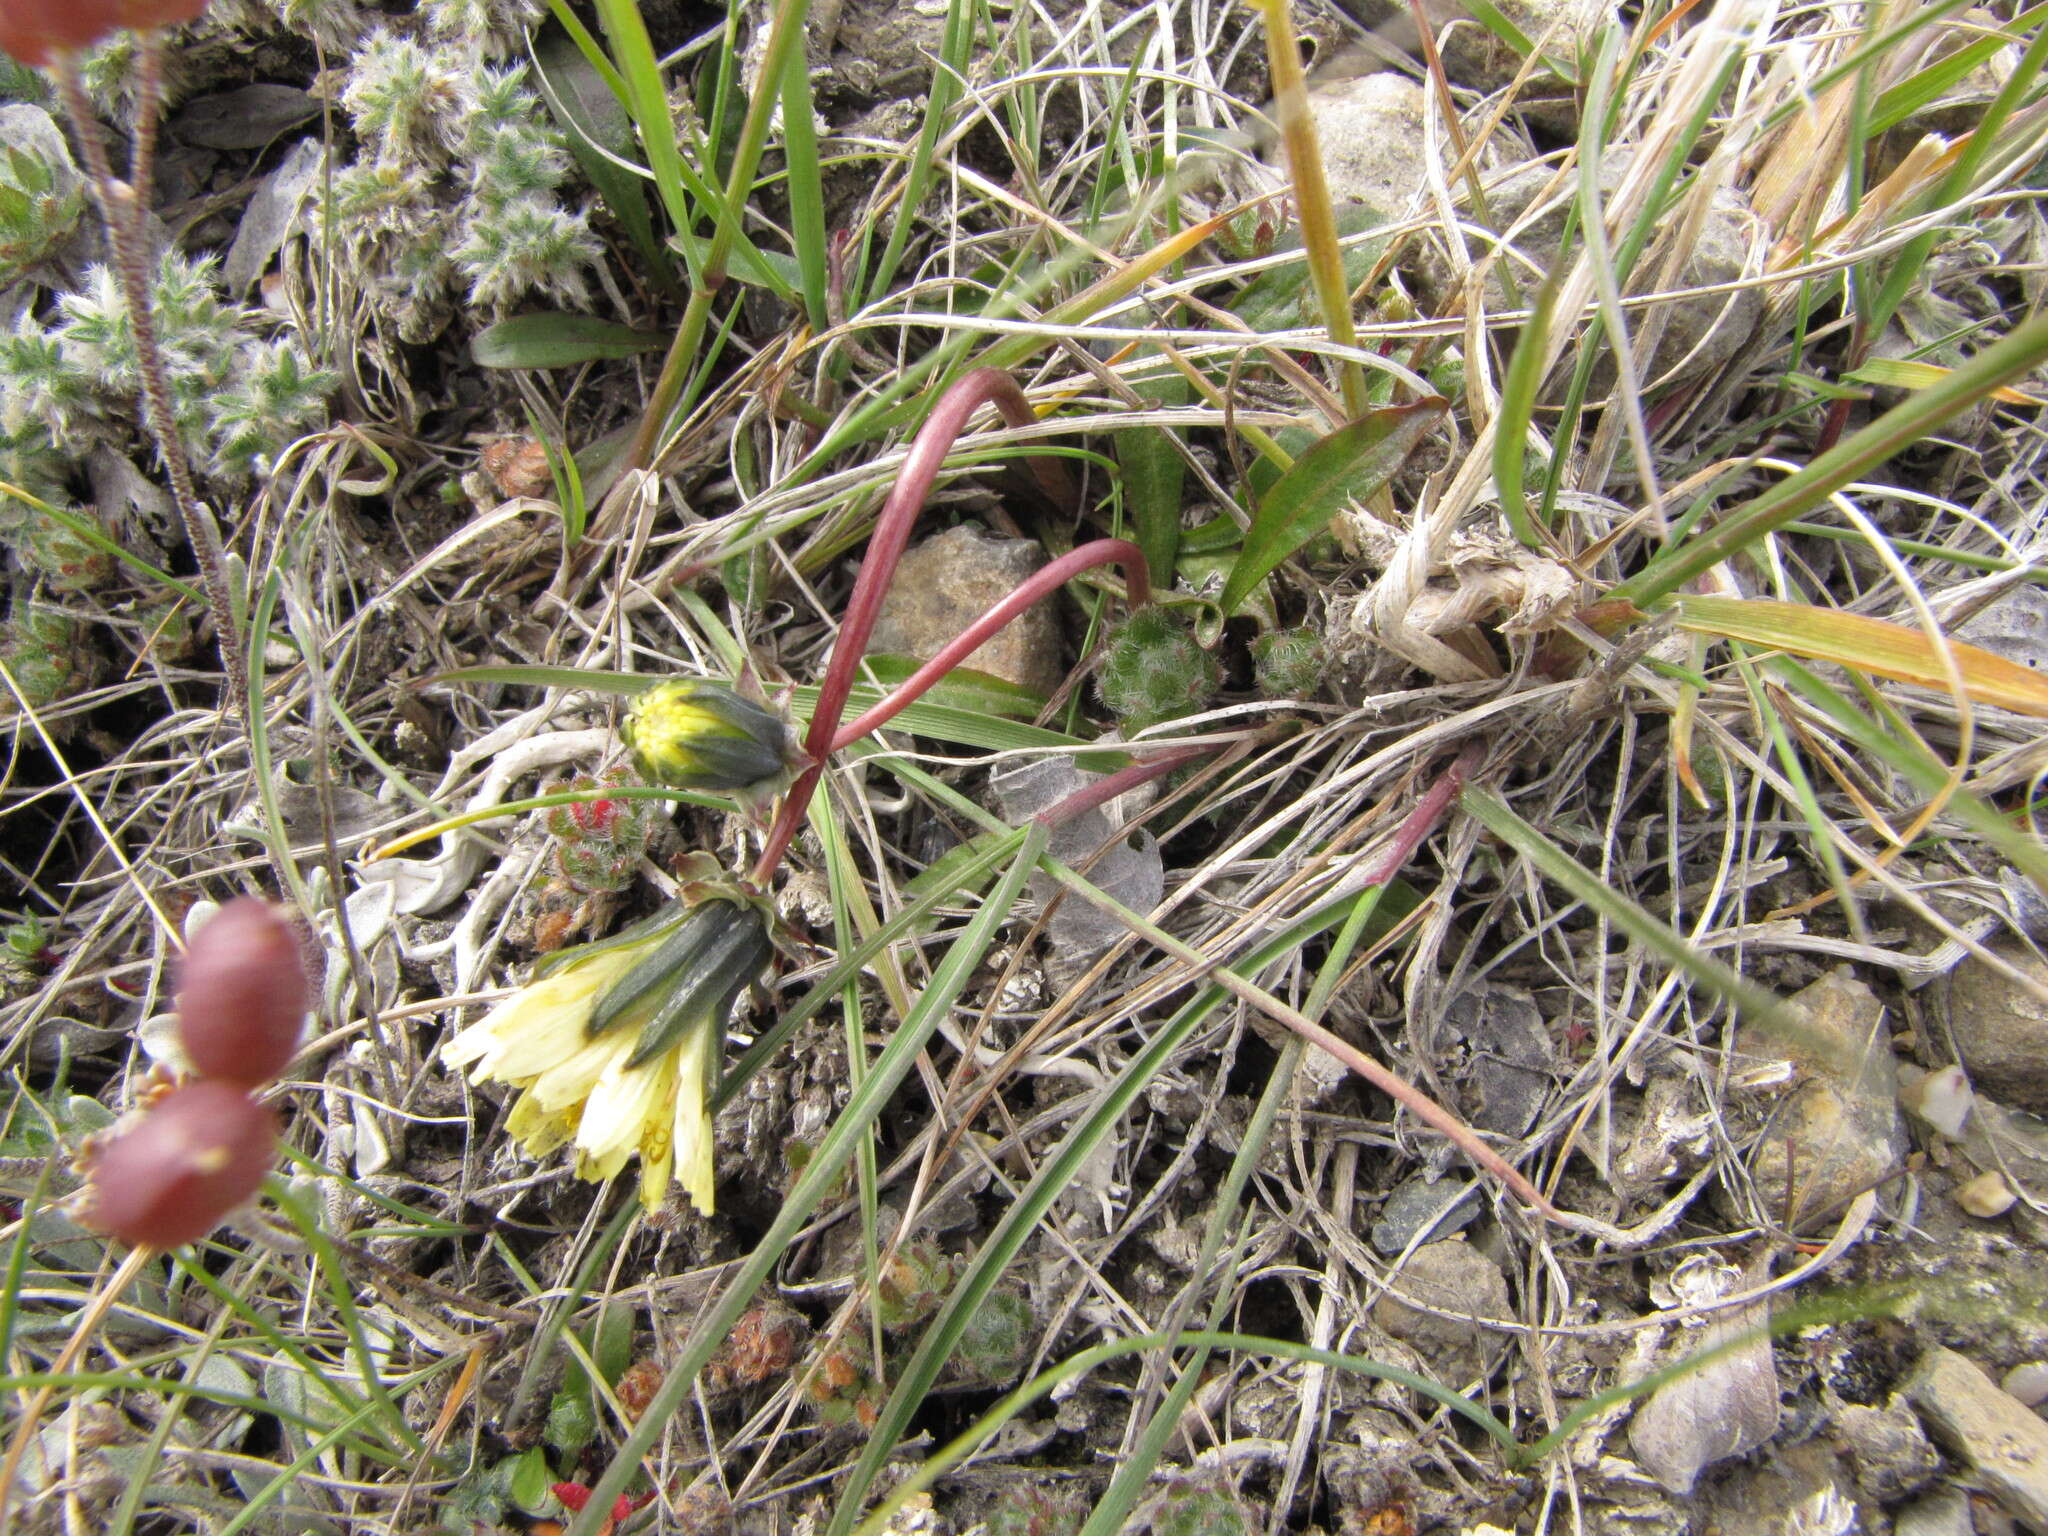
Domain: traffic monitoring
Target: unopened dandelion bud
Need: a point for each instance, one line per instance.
(695, 734)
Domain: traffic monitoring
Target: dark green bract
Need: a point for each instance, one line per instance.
(689, 981)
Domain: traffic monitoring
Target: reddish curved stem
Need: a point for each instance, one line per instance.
(1108, 787)
(1041, 583)
(907, 497)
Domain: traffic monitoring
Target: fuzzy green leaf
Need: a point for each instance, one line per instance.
(553, 340)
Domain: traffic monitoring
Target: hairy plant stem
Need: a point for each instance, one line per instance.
(149, 90)
(907, 497)
(121, 209)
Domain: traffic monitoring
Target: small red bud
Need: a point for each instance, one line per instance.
(242, 995)
(573, 1496)
(597, 817)
(190, 1158)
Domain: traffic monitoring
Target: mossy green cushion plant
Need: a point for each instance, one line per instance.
(1153, 670)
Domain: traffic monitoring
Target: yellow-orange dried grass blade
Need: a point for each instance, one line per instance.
(1865, 645)
(1905, 373)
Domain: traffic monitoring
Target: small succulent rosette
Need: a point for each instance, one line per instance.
(616, 1047)
(692, 733)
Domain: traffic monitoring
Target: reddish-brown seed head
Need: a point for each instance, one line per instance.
(187, 1161)
(34, 31)
(242, 995)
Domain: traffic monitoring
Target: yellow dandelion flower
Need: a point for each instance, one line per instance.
(616, 1052)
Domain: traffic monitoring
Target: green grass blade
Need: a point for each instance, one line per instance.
(638, 73)
(967, 875)
(948, 71)
(1060, 1167)
(1922, 769)
(2004, 362)
(1907, 268)
(1924, 87)
(1491, 811)
(1518, 408)
(1128, 1485)
(1044, 1384)
(806, 185)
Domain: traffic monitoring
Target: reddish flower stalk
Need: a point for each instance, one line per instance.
(1109, 786)
(121, 210)
(928, 450)
(1041, 583)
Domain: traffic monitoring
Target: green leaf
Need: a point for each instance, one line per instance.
(964, 688)
(554, 340)
(599, 133)
(1153, 472)
(1349, 465)
(777, 271)
(530, 1480)
(1273, 301)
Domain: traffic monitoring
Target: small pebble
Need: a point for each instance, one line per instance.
(1986, 1196)
(1942, 1099)
(2028, 1383)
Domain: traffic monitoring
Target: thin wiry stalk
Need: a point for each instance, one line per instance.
(121, 209)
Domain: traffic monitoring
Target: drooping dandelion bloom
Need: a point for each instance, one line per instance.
(616, 1049)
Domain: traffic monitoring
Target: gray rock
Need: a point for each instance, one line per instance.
(1796, 1490)
(1128, 868)
(1443, 1206)
(1371, 131)
(1835, 1131)
(1891, 1452)
(2027, 1383)
(1457, 1280)
(2001, 1029)
(1725, 1408)
(1506, 1071)
(2003, 1441)
(2015, 626)
(947, 582)
(247, 117)
(1946, 1513)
